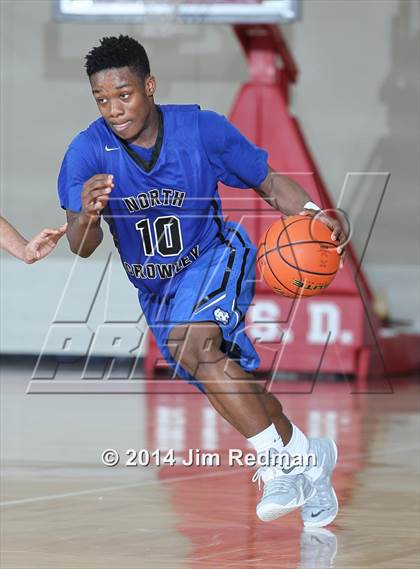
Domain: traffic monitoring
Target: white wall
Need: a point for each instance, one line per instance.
(357, 100)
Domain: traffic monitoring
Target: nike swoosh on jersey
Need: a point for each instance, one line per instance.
(316, 514)
(108, 149)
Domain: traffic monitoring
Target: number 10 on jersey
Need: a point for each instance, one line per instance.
(166, 238)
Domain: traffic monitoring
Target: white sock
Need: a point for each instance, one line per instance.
(298, 446)
(267, 438)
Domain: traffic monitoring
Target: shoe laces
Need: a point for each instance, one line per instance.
(278, 483)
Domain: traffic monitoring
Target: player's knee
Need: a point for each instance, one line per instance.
(194, 344)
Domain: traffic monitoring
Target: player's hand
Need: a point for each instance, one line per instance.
(95, 194)
(337, 234)
(42, 244)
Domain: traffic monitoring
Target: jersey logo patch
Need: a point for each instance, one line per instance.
(221, 315)
(108, 149)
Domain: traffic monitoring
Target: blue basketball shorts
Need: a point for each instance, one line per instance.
(218, 287)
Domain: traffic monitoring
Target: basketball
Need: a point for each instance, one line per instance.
(297, 257)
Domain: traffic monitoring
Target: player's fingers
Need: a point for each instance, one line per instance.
(343, 239)
(91, 198)
(336, 231)
(94, 194)
(329, 222)
(341, 244)
(342, 257)
(99, 184)
(93, 203)
(99, 179)
(96, 190)
(92, 207)
(88, 195)
(99, 204)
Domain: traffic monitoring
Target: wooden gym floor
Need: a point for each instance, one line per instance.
(62, 509)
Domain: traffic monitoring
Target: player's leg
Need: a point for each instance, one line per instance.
(243, 402)
(196, 347)
(272, 406)
(275, 411)
(322, 508)
(230, 389)
(237, 397)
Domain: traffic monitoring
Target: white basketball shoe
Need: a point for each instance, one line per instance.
(322, 508)
(283, 491)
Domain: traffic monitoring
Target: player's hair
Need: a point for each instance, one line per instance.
(121, 51)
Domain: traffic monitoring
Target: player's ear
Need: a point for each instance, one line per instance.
(150, 85)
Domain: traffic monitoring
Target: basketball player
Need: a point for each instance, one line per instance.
(29, 251)
(152, 172)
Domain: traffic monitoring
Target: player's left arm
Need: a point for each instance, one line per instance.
(237, 162)
(31, 251)
(285, 195)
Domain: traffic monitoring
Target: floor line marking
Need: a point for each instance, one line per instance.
(114, 488)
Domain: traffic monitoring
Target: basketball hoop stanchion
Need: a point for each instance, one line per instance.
(263, 44)
(336, 332)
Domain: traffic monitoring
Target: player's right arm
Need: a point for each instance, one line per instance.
(84, 231)
(84, 192)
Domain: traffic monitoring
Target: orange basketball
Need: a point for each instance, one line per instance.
(297, 257)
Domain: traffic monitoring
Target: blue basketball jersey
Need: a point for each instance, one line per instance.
(165, 214)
